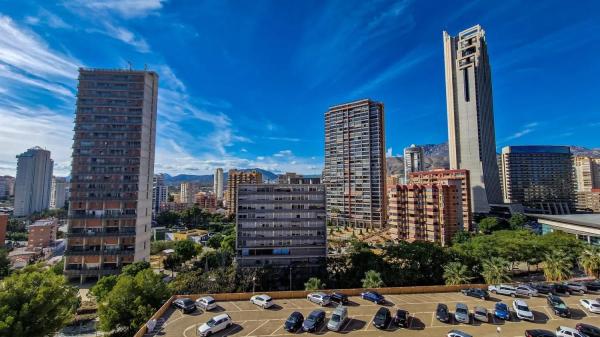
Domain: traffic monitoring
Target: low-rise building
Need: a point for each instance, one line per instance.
(42, 233)
(206, 201)
(197, 235)
(3, 225)
(425, 212)
(281, 224)
(172, 206)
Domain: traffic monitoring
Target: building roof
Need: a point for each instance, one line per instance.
(44, 222)
(586, 220)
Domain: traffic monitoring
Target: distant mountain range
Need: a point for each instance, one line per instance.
(208, 179)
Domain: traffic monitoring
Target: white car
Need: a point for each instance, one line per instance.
(319, 298)
(214, 325)
(207, 303)
(591, 305)
(563, 331)
(525, 290)
(522, 310)
(264, 301)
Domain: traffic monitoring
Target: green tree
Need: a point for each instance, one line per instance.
(168, 219)
(35, 302)
(228, 243)
(136, 267)
(517, 220)
(590, 260)
(496, 270)
(4, 263)
(187, 249)
(372, 280)
(171, 262)
(59, 267)
(313, 283)
(557, 266)
(156, 247)
(461, 236)
(491, 224)
(215, 241)
(456, 273)
(132, 301)
(103, 287)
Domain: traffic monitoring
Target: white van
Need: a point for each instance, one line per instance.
(338, 318)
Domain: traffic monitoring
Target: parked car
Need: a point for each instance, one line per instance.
(503, 290)
(339, 298)
(542, 288)
(558, 306)
(186, 305)
(476, 292)
(480, 314)
(401, 318)
(321, 299)
(501, 311)
(593, 286)
(206, 303)
(576, 287)
(560, 289)
(457, 333)
(592, 306)
(373, 296)
(264, 301)
(338, 318)
(522, 310)
(382, 318)
(563, 331)
(314, 320)
(294, 322)
(214, 325)
(588, 329)
(539, 333)
(442, 314)
(526, 290)
(461, 313)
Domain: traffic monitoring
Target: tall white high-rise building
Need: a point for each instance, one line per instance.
(414, 160)
(471, 135)
(58, 192)
(33, 182)
(218, 183)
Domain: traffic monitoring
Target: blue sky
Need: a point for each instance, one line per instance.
(246, 83)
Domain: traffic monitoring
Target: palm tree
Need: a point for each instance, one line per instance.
(372, 280)
(314, 283)
(557, 266)
(456, 273)
(590, 260)
(495, 270)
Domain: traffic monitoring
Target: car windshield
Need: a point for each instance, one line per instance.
(596, 305)
(560, 305)
(461, 311)
(522, 307)
(501, 306)
(335, 318)
(312, 317)
(187, 302)
(268, 300)
(380, 315)
(481, 312)
(293, 319)
(210, 301)
(211, 322)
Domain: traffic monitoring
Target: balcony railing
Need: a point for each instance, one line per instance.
(76, 232)
(102, 216)
(72, 251)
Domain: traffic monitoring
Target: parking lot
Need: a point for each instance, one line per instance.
(252, 321)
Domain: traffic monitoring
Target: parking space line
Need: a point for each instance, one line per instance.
(272, 333)
(258, 327)
(235, 305)
(369, 324)
(294, 304)
(346, 325)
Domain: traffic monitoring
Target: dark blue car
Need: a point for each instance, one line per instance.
(373, 297)
(501, 311)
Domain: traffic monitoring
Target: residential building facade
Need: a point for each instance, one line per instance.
(3, 226)
(355, 168)
(218, 183)
(42, 233)
(187, 191)
(160, 192)
(59, 192)
(7, 187)
(414, 160)
(206, 201)
(587, 173)
(471, 133)
(235, 178)
(110, 210)
(459, 178)
(539, 177)
(425, 212)
(281, 225)
(33, 181)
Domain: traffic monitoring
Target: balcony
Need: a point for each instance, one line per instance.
(103, 216)
(73, 270)
(81, 232)
(78, 251)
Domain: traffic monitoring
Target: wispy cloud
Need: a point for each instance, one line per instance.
(283, 153)
(123, 34)
(284, 139)
(527, 129)
(45, 17)
(124, 8)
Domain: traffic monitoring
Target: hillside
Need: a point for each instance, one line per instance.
(207, 179)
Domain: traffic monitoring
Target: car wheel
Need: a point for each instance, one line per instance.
(513, 295)
(209, 333)
(567, 293)
(494, 292)
(483, 298)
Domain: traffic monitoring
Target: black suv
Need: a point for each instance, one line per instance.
(593, 286)
(588, 330)
(294, 322)
(339, 298)
(558, 306)
(401, 318)
(442, 314)
(542, 288)
(539, 333)
(382, 318)
(476, 292)
(186, 305)
(560, 289)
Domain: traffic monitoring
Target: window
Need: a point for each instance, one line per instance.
(466, 83)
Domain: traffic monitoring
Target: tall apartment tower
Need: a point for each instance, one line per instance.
(218, 183)
(234, 179)
(539, 177)
(186, 193)
(58, 192)
(354, 173)
(414, 160)
(110, 211)
(587, 173)
(33, 182)
(471, 135)
(160, 192)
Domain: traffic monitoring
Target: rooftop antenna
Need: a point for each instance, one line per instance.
(129, 65)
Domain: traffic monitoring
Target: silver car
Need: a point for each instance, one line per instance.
(576, 287)
(526, 290)
(480, 314)
(461, 314)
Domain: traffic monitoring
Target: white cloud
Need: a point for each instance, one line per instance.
(124, 8)
(283, 153)
(44, 17)
(527, 129)
(125, 35)
(388, 153)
